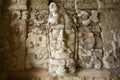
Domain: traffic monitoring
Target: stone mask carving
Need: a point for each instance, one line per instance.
(62, 43)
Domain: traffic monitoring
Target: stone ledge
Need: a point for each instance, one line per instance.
(95, 73)
(103, 73)
(34, 72)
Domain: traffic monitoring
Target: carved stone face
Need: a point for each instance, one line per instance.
(62, 42)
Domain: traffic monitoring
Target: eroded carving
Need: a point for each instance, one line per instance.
(62, 38)
(14, 38)
(110, 58)
(86, 18)
(53, 16)
(90, 42)
(38, 18)
(62, 46)
(36, 49)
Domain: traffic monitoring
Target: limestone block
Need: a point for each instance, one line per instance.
(18, 5)
(69, 5)
(82, 5)
(39, 4)
(112, 5)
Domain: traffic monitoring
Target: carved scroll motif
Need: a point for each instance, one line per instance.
(89, 39)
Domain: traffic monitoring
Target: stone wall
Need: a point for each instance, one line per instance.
(60, 40)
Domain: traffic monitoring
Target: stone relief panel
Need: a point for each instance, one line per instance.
(38, 18)
(36, 49)
(90, 51)
(62, 44)
(63, 39)
(36, 43)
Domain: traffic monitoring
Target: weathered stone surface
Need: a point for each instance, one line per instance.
(112, 4)
(71, 39)
(86, 4)
(39, 4)
(62, 43)
(18, 4)
(36, 49)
